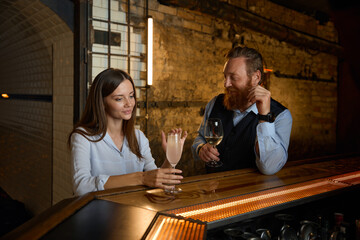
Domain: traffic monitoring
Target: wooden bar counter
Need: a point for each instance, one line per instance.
(207, 202)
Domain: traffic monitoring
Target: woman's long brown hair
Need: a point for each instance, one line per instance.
(93, 120)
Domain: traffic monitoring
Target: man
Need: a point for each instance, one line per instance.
(256, 127)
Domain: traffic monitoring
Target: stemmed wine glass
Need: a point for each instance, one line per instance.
(214, 134)
(173, 154)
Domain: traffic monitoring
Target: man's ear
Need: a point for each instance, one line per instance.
(256, 78)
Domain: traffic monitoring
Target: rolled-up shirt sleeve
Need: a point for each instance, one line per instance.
(83, 181)
(273, 140)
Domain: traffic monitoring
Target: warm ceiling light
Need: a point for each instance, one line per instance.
(150, 51)
(4, 95)
(267, 70)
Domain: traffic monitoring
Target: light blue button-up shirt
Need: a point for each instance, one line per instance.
(94, 162)
(273, 138)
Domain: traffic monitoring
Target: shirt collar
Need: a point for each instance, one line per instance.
(249, 109)
(110, 142)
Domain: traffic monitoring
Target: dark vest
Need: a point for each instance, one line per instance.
(237, 147)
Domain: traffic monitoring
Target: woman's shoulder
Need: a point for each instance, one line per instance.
(141, 138)
(139, 134)
(80, 129)
(81, 132)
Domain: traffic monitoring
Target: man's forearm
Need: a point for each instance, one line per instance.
(272, 144)
(198, 143)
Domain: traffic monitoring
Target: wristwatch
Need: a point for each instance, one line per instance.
(267, 118)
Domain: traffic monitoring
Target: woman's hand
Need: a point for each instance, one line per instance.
(164, 178)
(175, 130)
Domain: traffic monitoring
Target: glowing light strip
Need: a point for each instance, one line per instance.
(176, 229)
(348, 177)
(224, 208)
(159, 229)
(150, 51)
(252, 199)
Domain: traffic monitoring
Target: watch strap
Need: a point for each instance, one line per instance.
(268, 117)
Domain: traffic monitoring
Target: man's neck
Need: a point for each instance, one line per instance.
(244, 107)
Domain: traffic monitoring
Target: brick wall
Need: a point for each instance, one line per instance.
(188, 59)
(36, 59)
(62, 114)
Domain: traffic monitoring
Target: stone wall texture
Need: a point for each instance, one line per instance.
(189, 49)
(36, 58)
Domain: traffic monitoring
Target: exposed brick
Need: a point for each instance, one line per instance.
(188, 61)
(167, 10)
(238, 3)
(185, 14)
(192, 25)
(203, 19)
(206, 29)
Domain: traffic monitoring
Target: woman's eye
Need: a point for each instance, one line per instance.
(132, 96)
(118, 99)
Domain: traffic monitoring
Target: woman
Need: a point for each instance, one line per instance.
(106, 150)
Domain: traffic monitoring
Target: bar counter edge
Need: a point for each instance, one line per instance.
(41, 224)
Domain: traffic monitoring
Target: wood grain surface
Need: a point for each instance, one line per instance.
(196, 190)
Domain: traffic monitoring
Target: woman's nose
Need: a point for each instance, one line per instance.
(128, 102)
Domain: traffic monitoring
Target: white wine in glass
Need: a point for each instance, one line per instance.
(214, 134)
(173, 155)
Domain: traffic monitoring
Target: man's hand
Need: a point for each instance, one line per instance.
(262, 97)
(208, 153)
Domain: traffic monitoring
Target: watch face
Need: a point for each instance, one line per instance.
(271, 117)
(268, 117)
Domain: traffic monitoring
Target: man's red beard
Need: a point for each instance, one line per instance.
(234, 99)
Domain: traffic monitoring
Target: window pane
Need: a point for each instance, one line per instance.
(141, 94)
(100, 9)
(118, 12)
(137, 41)
(99, 63)
(119, 62)
(120, 45)
(100, 37)
(137, 70)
